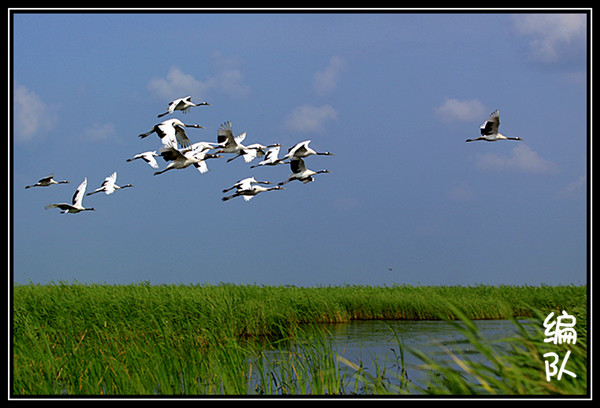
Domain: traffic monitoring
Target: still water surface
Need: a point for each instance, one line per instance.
(372, 344)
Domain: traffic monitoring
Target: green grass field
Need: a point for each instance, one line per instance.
(140, 339)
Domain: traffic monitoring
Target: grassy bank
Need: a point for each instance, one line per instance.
(173, 339)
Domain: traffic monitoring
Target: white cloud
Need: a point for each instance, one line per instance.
(32, 115)
(227, 79)
(553, 38)
(176, 85)
(521, 158)
(574, 188)
(462, 111)
(326, 80)
(98, 131)
(307, 118)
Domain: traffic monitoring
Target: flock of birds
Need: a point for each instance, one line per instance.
(179, 151)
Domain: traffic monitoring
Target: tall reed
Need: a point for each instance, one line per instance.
(193, 339)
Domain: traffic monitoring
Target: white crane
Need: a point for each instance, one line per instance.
(181, 104)
(300, 172)
(251, 152)
(245, 184)
(109, 185)
(301, 150)
(271, 158)
(249, 193)
(76, 205)
(229, 143)
(172, 132)
(489, 130)
(47, 181)
(148, 157)
(181, 159)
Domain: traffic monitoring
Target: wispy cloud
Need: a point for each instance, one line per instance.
(461, 111)
(552, 38)
(325, 81)
(177, 84)
(308, 118)
(574, 188)
(32, 114)
(228, 79)
(521, 158)
(99, 132)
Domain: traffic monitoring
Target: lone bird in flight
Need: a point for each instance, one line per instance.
(181, 104)
(47, 181)
(489, 130)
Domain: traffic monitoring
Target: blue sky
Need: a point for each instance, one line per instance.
(393, 95)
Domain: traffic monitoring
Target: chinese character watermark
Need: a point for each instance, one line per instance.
(559, 331)
(563, 329)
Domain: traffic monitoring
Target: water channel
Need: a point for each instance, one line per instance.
(374, 345)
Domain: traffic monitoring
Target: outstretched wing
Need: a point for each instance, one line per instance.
(170, 153)
(181, 137)
(79, 193)
(297, 165)
(272, 154)
(109, 183)
(299, 149)
(225, 134)
(490, 126)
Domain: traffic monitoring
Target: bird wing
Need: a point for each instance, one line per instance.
(79, 193)
(174, 104)
(148, 157)
(240, 138)
(250, 154)
(166, 132)
(109, 183)
(297, 165)
(225, 134)
(490, 126)
(272, 154)
(245, 184)
(299, 149)
(201, 166)
(46, 179)
(181, 137)
(169, 153)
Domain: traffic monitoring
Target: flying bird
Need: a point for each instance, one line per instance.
(251, 152)
(181, 159)
(181, 104)
(148, 157)
(301, 150)
(250, 192)
(271, 158)
(109, 186)
(489, 130)
(76, 205)
(300, 172)
(47, 181)
(172, 132)
(245, 184)
(229, 143)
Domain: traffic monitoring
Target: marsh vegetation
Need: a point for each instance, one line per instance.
(140, 339)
